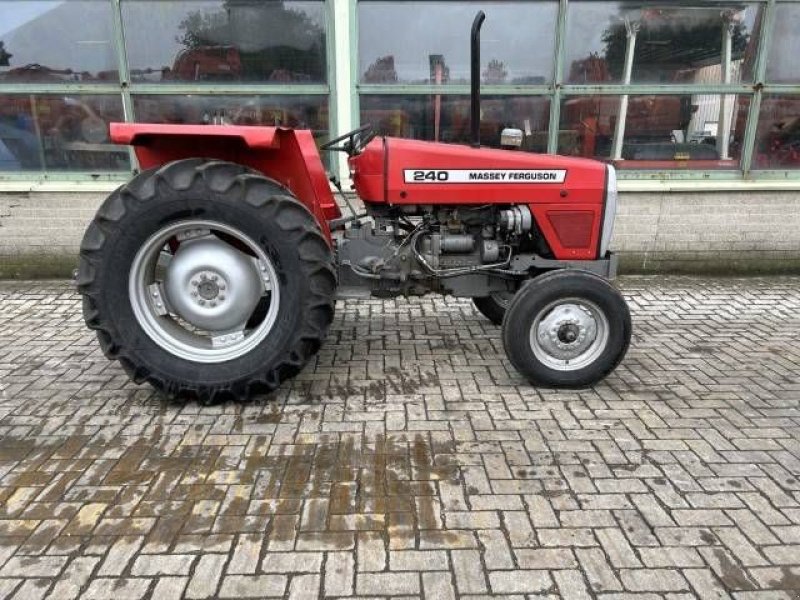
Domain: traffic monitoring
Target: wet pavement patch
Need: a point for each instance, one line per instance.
(410, 459)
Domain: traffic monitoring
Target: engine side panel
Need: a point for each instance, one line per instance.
(566, 195)
(286, 155)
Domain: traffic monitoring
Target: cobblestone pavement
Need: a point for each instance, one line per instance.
(411, 460)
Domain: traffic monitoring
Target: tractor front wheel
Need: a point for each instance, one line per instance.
(567, 329)
(207, 280)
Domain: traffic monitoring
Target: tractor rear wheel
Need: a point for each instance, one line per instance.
(494, 307)
(207, 280)
(567, 329)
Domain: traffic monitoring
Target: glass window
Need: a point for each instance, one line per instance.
(428, 42)
(300, 112)
(778, 133)
(782, 62)
(446, 118)
(54, 132)
(680, 44)
(225, 41)
(661, 132)
(48, 41)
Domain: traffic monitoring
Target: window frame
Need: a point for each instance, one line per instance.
(343, 90)
(559, 90)
(127, 90)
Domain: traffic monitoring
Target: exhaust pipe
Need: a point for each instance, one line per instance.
(475, 79)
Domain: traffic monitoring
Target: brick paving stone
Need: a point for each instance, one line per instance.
(170, 588)
(599, 573)
(162, 564)
(252, 586)
(571, 585)
(371, 552)
(438, 585)
(39, 566)
(469, 572)
(546, 558)
(119, 555)
(7, 586)
(304, 586)
(292, 562)
(616, 546)
(706, 584)
(392, 584)
(118, 589)
(652, 580)
(410, 459)
(32, 589)
(244, 559)
(413, 560)
(207, 574)
(496, 553)
(74, 578)
(339, 574)
(520, 581)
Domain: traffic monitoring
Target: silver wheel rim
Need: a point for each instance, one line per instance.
(195, 302)
(569, 334)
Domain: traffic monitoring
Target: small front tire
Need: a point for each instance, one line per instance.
(567, 329)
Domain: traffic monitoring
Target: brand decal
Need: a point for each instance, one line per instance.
(485, 175)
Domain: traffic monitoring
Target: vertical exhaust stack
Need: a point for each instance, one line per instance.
(475, 79)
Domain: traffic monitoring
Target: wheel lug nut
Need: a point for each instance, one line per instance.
(213, 303)
(194, 294)
(221, 298)
(201, 302)
(214, 278)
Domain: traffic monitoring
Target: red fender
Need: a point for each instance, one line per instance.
(289, 156)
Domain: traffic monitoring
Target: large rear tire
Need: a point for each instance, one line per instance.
(567, 329)
(207, 280)
(494, 306)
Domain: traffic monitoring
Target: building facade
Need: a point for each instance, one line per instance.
(696, 102)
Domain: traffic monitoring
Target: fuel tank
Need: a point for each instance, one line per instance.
(566, 195)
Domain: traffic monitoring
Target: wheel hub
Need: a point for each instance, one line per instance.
(566, 333)
(211, 285)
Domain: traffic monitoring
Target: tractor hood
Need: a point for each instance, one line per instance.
(402, 171)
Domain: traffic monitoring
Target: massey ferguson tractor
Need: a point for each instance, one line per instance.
(213, 274)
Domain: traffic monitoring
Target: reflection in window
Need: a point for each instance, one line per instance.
(782, 62)
(51, 132)
(49, 41)
(230, 41)
(517, 42)
(661, 132)
(299, 112)
(680, 44)
(446, 118)
(778, 134)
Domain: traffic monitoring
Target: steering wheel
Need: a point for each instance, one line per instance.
(356, 141)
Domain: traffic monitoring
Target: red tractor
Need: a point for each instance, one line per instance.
(215, 278)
